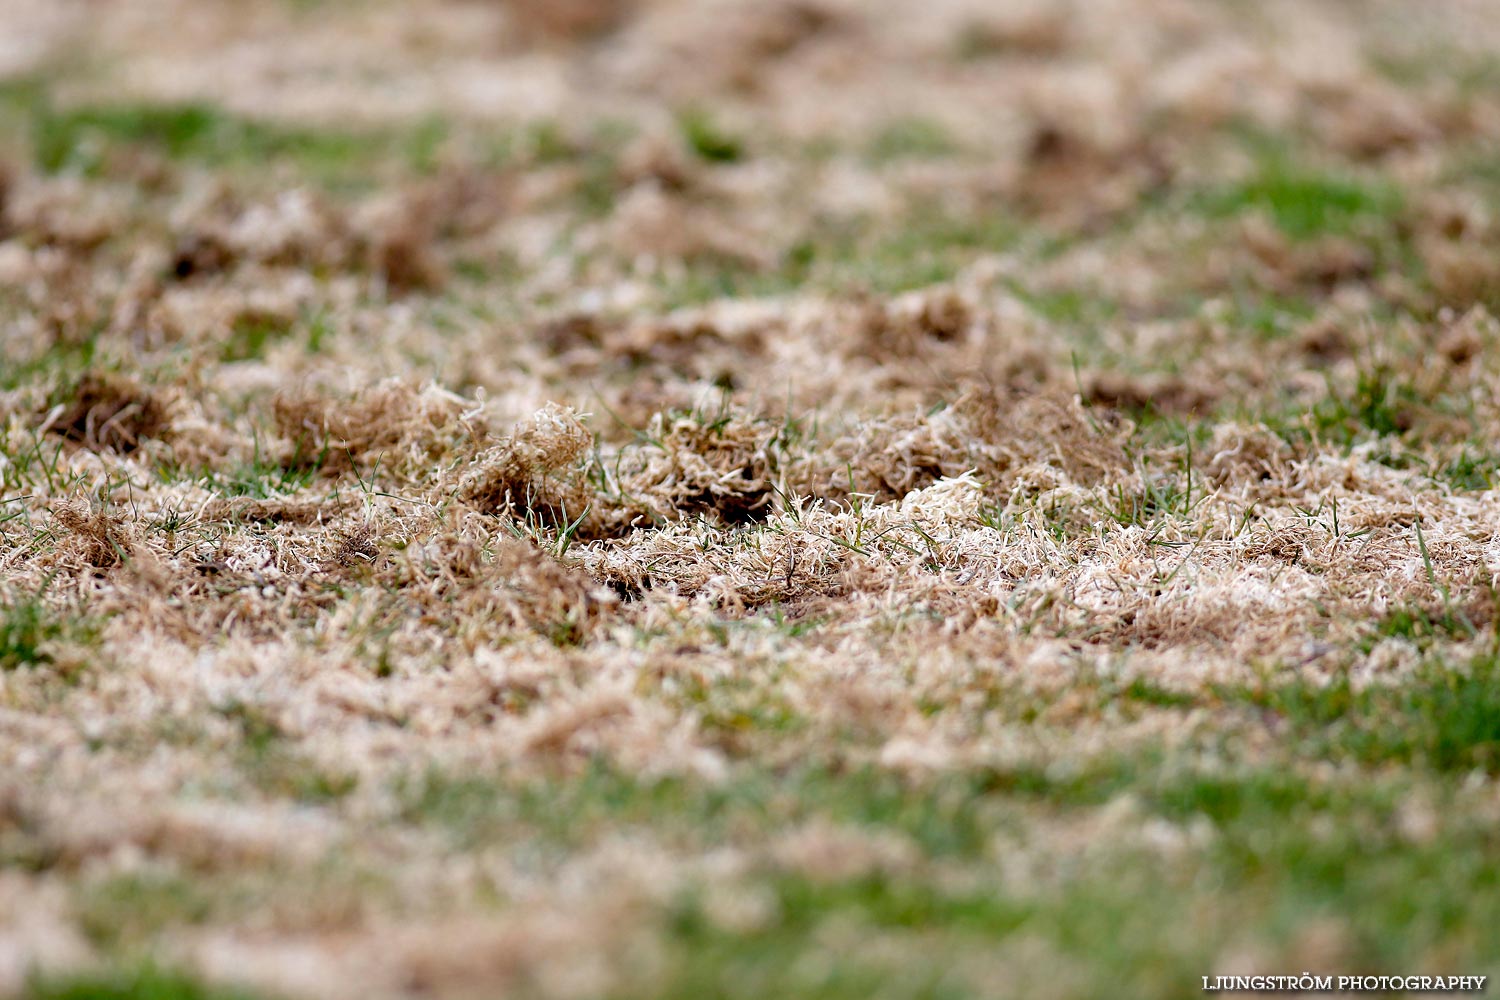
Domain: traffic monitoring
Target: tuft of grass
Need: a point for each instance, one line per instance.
(1249, 796)
(927, 246)
(1418, 624)
(251, 336)
(1383, 401)
(129, 909)
(1445, 719)
(783, 958)
(25, 630)
(730, 709)
(1148, 692)
(260, 477)
(277, 769)
(1266, 315)
(145, 982)
(285, 775)
(591, 156)
(81, 138)
(77, 137)
(1472, 73)
(708, 280)
(1068, 307)
(709, 140)
(1470, 471)
(911, 139)
(28, 630)
(62, 359)
(1303, 201)
(1281, 852)
(947, 817)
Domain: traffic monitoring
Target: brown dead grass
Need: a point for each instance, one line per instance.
(405, 426)
(441, 477)
(568, 20)
(95, 533)
(107, 410)
(535, 472)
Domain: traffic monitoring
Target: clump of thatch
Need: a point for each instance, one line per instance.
(488, 583)
(1322, 263)
(109, 411)
(400, 233)
(653, 223)
(912, 324)
(355, 545)
(1159, 392)
(568, 20)
(694, 466)
(400, 252)
(1075, 174)
(1001, 436)
(737, 47)
(686, 465)
(531, 589)
(1457, 239)
(1033, 31)
(97, 533)
(534, 474)
(399, 423)
(299, 228)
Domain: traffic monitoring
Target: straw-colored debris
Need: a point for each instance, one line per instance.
(562, 499)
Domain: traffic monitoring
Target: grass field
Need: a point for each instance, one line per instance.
(692, 498)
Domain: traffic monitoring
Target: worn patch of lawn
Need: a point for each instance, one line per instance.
(1068, 578)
